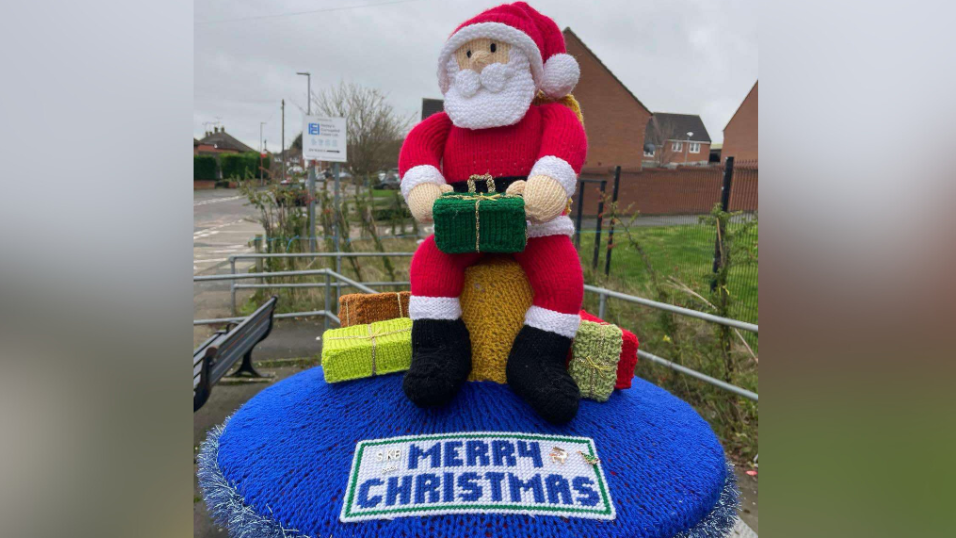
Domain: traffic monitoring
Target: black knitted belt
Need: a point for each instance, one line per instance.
(501, 184)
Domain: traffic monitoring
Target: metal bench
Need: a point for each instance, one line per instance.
(217, 355)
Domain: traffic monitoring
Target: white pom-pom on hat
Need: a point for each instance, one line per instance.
(561, 74)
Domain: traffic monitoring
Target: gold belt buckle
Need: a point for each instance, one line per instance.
(487, 178)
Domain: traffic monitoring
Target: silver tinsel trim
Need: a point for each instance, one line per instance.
(229, 510)
(720, 521)
(226, 504)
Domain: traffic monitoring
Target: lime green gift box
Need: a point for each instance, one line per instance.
(478, 222)
(594, 355)
(363, 351)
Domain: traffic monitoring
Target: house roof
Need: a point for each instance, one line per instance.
(225, 141)
(679, 125)
(741, 105)
(432, 106)
(569, 32)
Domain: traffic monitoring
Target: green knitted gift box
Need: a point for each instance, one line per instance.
(477, 222)
(594, 356)
(362, 351)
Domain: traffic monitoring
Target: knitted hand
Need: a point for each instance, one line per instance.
(422, 198)
(544, 198)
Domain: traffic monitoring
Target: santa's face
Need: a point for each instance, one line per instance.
(491, 85)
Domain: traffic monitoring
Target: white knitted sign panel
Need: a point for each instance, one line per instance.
(476, 472)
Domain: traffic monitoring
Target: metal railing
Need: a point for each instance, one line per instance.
(344, 282)
(338, 264)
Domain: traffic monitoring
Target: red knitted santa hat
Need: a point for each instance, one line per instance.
(521, 26)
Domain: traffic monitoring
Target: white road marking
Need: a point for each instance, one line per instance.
(217, 240)
(212, 229)
(217, 200)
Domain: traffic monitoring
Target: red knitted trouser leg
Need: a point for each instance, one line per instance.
(554, 271)
(434, 273)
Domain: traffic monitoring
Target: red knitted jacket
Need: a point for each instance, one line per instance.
(550, 129)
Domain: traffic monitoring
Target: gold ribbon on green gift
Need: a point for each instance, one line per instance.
(478, 198)
(595, 367)
(372, 335)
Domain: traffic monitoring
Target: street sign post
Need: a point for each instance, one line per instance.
(324, 139)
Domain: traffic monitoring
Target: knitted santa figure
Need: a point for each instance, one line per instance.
(490, 70)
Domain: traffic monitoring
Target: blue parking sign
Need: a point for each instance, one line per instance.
(313, 128)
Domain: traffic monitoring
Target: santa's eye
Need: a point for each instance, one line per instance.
(468, 54)
(494, 47)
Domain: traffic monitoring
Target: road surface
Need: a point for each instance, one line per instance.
(223, 224)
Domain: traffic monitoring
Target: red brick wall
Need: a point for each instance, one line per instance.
(740, 135)
(613, 118)
(682, 191)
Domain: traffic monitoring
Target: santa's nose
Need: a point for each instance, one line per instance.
(480, 59)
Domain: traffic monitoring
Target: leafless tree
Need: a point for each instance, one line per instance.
(661, 134)
(375, 129)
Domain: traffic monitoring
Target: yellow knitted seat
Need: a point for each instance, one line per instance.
(493, 303)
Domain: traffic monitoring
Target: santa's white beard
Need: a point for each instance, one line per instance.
(499, 96)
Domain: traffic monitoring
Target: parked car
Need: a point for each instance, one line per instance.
(343, 175)
(389, 182)
(300, 196)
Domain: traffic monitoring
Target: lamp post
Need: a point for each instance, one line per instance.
(261, 175)
(311, 164)
(687, 145)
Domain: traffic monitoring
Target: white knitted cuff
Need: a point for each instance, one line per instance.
(551, 321)
(558, 169)
(434, 307)
(560, 225)
(416, 175)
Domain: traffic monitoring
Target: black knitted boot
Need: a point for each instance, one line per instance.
(538, 373)
(441, 361)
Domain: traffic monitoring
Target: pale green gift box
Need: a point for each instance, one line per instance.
(363, 351)
(594, 356)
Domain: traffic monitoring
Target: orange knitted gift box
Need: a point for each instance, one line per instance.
(365, 308)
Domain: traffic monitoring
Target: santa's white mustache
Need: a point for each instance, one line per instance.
(492, 78)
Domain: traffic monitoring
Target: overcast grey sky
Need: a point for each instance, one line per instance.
(686, 56)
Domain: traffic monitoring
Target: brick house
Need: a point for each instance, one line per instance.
(200, 148)
(676, 139)
(222, 142)
(614, 118)
(740, 134)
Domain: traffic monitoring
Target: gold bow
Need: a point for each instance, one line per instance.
(478, 198)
